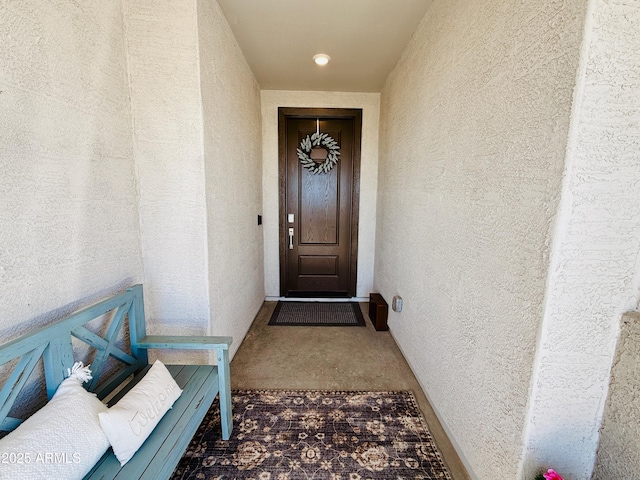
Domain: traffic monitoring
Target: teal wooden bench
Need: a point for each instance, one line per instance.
(159, 455)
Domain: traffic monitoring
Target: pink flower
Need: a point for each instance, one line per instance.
(552, 475)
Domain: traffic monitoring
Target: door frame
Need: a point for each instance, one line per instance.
(284, 113)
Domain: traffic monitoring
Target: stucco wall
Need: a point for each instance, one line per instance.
(474, 126)
(164, 76)
(233, 177)
(370, 105)
(196, 123)
(593, 276)
(619, 451)
(69, 230)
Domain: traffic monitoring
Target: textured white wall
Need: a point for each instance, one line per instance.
(166, 104)
(619, 450)
(370, 105)
(69, 230)
(196, 121)
(233, 174)
(474, 126)
(593, 278)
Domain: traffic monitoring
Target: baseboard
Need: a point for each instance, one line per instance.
(444, 425)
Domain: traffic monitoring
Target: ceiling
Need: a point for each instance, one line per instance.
(365, 39)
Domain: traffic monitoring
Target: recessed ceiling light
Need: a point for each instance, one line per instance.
(321, 58)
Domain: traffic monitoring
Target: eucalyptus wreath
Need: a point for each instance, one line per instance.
(318, 140)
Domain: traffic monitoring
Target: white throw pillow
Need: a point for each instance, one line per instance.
(130, 421)
(62, 440)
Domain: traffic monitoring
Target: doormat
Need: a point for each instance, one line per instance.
(318, 314)
(315, 435)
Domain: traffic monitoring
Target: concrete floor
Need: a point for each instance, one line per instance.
(331, 358)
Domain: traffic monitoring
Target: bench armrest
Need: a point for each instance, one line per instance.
(199, 342)
(191, 342)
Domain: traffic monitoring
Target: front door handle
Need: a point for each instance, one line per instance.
(291, 239)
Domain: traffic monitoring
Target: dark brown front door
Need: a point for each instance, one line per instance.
(319, 211)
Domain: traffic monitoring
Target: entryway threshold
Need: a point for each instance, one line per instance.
(319, 299)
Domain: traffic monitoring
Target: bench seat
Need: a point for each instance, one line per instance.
(159, 455)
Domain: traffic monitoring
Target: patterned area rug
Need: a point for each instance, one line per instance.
(316, 314)
(308, 435)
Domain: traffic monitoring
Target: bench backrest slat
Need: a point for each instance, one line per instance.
(103, 354)
(16, 381)
(53, 343)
